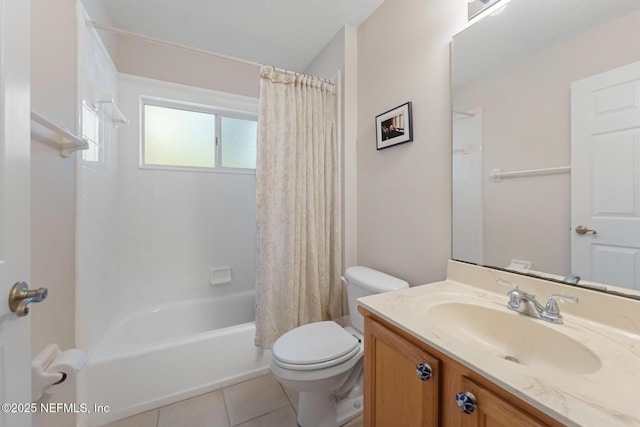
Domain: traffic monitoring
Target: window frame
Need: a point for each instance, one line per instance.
(100, 143)
(218, 112)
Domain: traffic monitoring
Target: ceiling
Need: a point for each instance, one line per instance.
(284, 33)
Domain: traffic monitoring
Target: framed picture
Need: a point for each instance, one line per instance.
(394, 127)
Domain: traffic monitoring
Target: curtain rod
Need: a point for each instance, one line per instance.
(126, 33)
(93, 24)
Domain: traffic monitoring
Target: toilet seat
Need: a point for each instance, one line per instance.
(314, 346)
(314, 366)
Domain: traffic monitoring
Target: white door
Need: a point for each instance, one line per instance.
(15, 333)
(605, 177)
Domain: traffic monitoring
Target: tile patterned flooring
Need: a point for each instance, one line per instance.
(261, 402)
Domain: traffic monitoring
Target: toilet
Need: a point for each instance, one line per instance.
(323, 361)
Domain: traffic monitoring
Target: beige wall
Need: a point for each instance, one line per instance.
(404, 192)
(53, 61)
(331, 59)
(526, 125)
(53, 201)
(349, 117)
(174, 65)
(340, 56)
(53, 95)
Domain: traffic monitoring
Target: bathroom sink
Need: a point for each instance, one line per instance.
(513, 337)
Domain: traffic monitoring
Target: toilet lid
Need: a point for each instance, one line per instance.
(314, 343)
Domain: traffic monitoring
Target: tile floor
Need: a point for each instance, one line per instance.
(261, 402)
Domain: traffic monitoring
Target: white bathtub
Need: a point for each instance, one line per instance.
(171, 352)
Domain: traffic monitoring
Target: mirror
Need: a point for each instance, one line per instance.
(512, 75)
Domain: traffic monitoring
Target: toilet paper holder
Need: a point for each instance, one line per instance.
(54, 370)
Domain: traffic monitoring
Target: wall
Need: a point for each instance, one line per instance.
(72, 251)
(53, 201)
(404, 192)
(533, 130)
(97, 269)
(97, 12)
(141, 58)
(349, 117)
(340, 57)
(53, 96)
(97, 280)
(177, 225)
(331, 59)
(53, 62)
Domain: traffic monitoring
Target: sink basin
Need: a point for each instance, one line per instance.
(513, 337)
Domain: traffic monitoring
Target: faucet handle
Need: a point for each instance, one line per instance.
(552, 304)
(514, 294)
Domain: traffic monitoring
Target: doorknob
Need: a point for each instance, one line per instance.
(581, 229)
(21, 296)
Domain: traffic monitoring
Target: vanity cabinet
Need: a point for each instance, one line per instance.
(491, 410)
(394, 394)
(409, 384)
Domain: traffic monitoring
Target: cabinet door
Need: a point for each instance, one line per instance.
(394, 392)
(493, 411)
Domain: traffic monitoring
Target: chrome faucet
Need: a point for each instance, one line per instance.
(526, 303)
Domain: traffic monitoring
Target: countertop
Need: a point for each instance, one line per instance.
(609, 396)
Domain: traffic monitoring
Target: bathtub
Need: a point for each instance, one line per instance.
(167, 353)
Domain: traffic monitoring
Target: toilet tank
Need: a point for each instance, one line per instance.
(363, 281)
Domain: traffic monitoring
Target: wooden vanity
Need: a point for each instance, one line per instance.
(395, 395)
(453, 354)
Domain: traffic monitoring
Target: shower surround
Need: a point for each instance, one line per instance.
(150, 237)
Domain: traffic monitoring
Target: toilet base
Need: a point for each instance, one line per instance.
(322, 410)
(348, 409)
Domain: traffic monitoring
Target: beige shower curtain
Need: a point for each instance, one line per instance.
(298, 205)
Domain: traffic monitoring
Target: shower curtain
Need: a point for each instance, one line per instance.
(298, 205)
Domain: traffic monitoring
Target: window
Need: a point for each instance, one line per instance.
(93, 132)
(239, 138)
(178, 136)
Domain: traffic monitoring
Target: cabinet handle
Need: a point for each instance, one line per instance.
(424, 371)
(466, 402)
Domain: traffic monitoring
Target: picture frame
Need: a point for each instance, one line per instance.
(394, 127)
